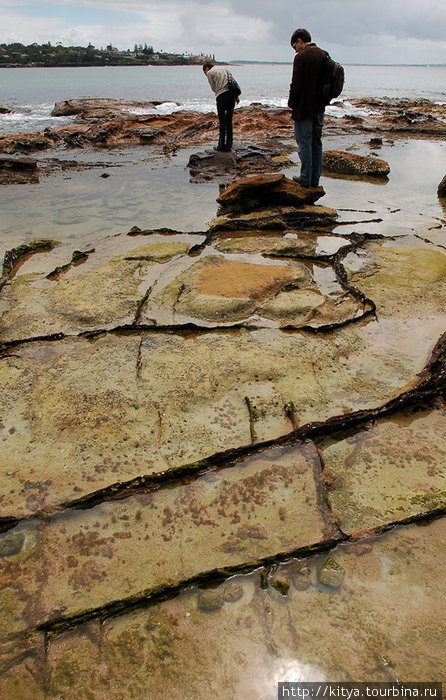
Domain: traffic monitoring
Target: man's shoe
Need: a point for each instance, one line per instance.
(219, 148)
(297, 179)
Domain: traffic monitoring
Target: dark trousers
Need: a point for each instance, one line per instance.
(225, 110)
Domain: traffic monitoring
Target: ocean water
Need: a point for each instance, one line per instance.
(32, 92)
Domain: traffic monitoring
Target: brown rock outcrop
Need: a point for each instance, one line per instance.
(266, 190)
(212, 165)
(17, 163)
(441, 191)
(352, 164)
(97, 106)
(5, 110)
(279, 218)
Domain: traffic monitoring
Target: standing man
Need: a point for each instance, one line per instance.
(306, 105)
(218, 77)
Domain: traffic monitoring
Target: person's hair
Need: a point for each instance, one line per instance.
(207, 64)
(303, 34)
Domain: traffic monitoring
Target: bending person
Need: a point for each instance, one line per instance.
(226, 100)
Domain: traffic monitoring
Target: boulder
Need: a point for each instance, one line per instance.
(263, 190)
(5, 110)
(352, 164)
(441, 191)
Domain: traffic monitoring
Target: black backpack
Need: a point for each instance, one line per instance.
(333, 76)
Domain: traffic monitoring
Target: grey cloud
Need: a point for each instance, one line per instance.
(349, 21)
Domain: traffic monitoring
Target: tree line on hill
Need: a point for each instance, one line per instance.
(16, 54)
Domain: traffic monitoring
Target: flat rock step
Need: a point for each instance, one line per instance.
(17, 163)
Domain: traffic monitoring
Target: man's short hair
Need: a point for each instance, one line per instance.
(207, 64)
(303, 34)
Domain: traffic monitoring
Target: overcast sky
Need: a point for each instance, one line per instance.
(354, 31)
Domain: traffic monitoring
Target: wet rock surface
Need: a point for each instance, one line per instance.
(352, 164)
(223, 166)
(219, 447)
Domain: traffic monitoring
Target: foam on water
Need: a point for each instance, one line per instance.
(28, 118)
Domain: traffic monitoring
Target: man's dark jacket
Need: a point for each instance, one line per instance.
(304, 99)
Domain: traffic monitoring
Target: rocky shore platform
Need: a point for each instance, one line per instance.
(224, 449)
(108, 122)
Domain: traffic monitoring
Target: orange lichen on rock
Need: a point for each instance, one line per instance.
(239, 279)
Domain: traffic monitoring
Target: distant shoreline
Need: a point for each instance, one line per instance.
(222, 63)
(113, 65)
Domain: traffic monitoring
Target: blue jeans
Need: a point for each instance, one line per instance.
(308, 133)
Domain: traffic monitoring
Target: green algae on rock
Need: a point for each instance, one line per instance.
(105, 295)
(15, 256)
(416, 276)
(331, 573)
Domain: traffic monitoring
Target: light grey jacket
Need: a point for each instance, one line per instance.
(218, 79)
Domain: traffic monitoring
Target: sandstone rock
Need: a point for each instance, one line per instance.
(96, 106)
(331, 574)
(276, 219)
(395, 471)
(17, 164)
(212, 164)
(23, 143)
(16, 255)
(233, 592)
(147, 135)
(441, 191)
(211, 600)
(352, 164)
(171, 537)
(11, 544)
(248, 193)
(301, 578)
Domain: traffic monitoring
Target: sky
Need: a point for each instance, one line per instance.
(353, 31)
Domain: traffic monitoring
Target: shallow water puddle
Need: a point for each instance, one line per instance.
(241, 639)
(155, 541)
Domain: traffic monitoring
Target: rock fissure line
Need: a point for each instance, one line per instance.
(163, 592)
(427, 240)
(141, 304)
(334, 260)
(430, 387)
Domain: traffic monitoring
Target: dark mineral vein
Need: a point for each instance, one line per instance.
(164, 592)
(431, 385)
